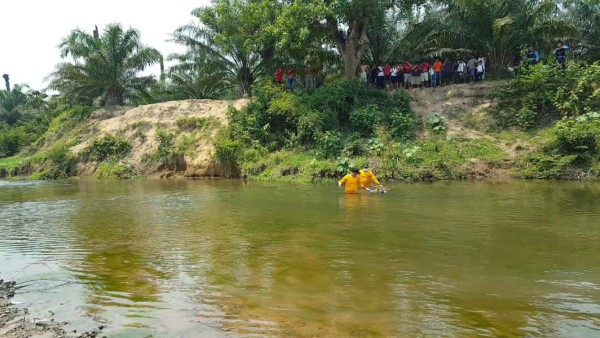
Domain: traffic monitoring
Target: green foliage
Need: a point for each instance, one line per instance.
(436, 123)
(228, 153)
(495, 28)
(107, 147)
(12, 139)
(572, 151)
(330, 144)
(544, 93)
(167, 156)
(54, 163)
(115, 170)
(365, 119)
(104, 69)
(276, 118)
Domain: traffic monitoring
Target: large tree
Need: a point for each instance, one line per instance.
(220, 47)
(104, 68)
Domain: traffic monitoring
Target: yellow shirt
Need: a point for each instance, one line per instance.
(366, 177)
(351, 183)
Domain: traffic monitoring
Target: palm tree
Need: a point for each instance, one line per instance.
(496, 28)
(585, 14)
(104, 68)
(20, 103)
(222, 61)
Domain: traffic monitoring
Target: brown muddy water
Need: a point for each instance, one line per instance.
(233, 259)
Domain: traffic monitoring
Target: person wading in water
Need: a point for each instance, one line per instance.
(351, 182)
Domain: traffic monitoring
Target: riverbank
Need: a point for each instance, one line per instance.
(17, 323)
(446, 133)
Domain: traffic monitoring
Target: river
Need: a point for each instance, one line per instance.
(232, 259)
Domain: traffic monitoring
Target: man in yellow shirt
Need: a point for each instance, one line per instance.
(351, 182)
(367, 176)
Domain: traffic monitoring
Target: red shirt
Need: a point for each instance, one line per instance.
(406, 68)
(279, 74)
(291, 72)
(386, 70)
(425, 66)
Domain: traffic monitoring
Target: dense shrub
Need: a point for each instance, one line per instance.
(115, 170)
(108, 146)
(12, 139)
(278, 119)
(365, 119)
(543, 93)
(572, 152)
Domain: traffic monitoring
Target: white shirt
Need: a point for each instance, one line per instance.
(461, 67)
(394, 71)
(380, 71)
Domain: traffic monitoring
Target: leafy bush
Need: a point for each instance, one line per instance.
(330, 144)
(544, 93)
(227, 153)
(166, 154)
(55, 163)
(365, 119)
(436, 123)
(108, 146)
(12, 139)
(112, 170)
(574, 149)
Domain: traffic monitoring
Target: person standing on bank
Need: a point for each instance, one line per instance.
(308, 77)
(561, 54)
(291, 79)
(367, 178)
(351, 182)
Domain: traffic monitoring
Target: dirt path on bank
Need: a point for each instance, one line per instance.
(454, 102)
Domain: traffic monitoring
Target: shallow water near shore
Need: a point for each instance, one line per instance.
(228, 258)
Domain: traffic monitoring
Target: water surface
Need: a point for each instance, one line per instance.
(227, 258)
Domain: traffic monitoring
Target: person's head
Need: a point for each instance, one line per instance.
(366, 166)
(559, 45)
(354, 172)
(530, 49)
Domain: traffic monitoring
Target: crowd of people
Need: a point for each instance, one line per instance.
(309, 79)
(424, 73)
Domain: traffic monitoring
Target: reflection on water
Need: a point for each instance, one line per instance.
(224, 258)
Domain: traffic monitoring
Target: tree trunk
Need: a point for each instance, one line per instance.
(114, 98)
(350, 45)
(7, 81)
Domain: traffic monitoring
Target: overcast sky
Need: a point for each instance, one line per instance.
(30, 30)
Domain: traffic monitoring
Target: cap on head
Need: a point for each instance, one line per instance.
(366, 165)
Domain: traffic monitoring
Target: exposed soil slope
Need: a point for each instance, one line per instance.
(139, 126)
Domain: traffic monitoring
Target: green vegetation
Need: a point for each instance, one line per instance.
(166, 156)
(544, 123)
(572, 151)
(107, 147)
(105, 68)
(115, 170)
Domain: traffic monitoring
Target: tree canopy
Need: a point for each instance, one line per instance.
(104, 68)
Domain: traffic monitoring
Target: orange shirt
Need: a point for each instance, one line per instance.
(351, 183)
(437, 67)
